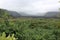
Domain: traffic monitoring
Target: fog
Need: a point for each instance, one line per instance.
(33, 7)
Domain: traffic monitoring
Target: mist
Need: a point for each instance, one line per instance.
(31, 7)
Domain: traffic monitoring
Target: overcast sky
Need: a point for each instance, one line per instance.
(32, 6)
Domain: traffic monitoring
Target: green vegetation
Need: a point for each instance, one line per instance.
(3, 37)
(30, 28)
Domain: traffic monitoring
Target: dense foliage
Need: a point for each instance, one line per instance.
(31, 28)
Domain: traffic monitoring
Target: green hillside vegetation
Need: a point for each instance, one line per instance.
(5, 14)
(29, 28)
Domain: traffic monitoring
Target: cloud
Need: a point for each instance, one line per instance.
(30, 6)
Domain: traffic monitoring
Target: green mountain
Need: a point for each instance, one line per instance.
(13, 14)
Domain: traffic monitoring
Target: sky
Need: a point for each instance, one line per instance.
(33, 7)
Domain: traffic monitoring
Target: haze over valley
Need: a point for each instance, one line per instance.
(31, 7)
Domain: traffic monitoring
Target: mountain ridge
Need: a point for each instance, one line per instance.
(23, 14)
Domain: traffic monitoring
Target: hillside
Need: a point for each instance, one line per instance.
(52, 14)
(15, 14)
(10, 13)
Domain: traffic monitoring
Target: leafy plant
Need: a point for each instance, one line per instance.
(3, 37)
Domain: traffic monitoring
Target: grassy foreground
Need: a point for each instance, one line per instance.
(31, 28)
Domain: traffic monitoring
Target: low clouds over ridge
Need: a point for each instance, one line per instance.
(30, 6)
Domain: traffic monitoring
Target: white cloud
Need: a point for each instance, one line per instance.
(32, 6)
